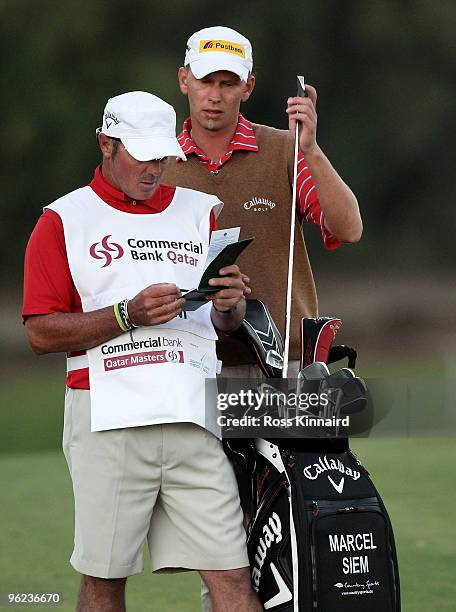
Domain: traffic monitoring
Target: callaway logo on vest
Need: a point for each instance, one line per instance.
(259, 204)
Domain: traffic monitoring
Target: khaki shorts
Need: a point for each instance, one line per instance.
(171, 485)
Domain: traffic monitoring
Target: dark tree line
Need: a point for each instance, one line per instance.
(384, 71)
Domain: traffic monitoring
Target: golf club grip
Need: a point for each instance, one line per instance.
(302, 93)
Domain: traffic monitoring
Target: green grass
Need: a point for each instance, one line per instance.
(31, 415)
(37, 534)
(36, 509)
(416, 478)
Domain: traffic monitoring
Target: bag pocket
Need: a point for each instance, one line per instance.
(352, 557)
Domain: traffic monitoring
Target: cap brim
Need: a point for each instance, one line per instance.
(204, 66)
(146, 149)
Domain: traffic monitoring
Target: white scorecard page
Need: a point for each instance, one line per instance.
(219, 240)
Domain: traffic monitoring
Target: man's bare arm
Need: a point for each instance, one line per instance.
(337, 201)
(64, 332)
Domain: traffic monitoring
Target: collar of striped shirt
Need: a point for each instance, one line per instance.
(243, 140)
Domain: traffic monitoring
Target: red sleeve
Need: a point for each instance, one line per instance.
(48, 286)
(308, 205)
(213, 223)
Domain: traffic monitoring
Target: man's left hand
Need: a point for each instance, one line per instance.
(236, 285)
(304, 109)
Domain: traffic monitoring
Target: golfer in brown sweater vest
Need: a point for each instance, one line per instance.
(250, 168)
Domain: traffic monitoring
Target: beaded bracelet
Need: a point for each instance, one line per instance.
(122, 316)
(128, 318)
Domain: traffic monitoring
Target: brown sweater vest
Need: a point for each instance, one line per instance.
(255, 189)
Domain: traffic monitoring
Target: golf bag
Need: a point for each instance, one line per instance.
(320, 539)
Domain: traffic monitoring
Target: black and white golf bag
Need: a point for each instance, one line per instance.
(320, 539)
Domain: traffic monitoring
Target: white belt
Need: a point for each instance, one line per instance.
(77, 363)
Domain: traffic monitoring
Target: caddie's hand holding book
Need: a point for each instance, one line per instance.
(227, 256)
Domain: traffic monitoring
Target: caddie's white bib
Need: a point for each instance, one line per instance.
(154, 374)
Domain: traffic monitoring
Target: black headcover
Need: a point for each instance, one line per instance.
(260, 333)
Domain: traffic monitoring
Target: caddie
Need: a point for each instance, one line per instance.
(250, 168)
(104, 270)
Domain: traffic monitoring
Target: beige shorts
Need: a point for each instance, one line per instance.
(171, 485)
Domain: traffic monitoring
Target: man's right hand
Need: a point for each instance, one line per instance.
(156, 304)
(78, 331)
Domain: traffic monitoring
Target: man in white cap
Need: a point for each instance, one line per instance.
(250, 168)
(104, 269)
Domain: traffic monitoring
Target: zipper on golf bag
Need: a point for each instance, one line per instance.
(268, 500)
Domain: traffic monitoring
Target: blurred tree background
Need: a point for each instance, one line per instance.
(384, 71)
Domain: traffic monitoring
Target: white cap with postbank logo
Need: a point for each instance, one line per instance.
(219, 48)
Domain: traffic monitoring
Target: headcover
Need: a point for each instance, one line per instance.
(317, 337)
(260, 333)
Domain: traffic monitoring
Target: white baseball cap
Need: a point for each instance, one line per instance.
(145, 124)
(219, 48)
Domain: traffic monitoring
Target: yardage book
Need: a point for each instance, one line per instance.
(196, 298)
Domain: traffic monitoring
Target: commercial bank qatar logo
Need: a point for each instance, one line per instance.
(106, 250)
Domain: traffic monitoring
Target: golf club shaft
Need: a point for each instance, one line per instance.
(291, 244)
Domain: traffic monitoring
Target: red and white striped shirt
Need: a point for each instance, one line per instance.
(244, 139)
